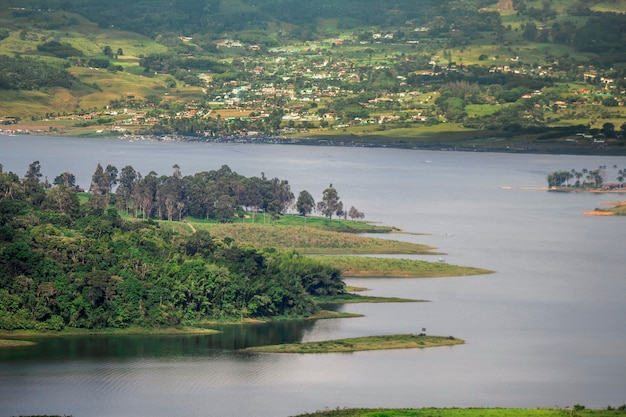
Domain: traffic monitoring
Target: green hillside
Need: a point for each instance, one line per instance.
(535, 75)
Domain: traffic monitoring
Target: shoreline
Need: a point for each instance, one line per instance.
(615, 208)
(11, 338)
(130, 331)
(434, 142)
(359, 344)
(564, 189)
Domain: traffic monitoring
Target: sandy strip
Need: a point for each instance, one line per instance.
(598, 213)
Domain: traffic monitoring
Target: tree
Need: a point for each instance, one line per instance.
(124, 191)
(558, 178)
(608, 129)
(34, 171)
(330, 203)
(224, 208)
(355, 214)
(108, 51)
(32, 187)
(530, 31)
(111, 175)
(99, 189)
(281, 196)
(305, 203)
(63, 199)
(66, 179)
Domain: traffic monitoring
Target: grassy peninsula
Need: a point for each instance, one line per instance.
(9, 343)
(575, 411)
(612, 208)
(304, 239)
(139, 261)
(398, 341)
(353, 266)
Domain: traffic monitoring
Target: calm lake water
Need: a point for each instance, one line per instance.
(547, 329)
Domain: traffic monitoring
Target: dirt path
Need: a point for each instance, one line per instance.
(193, 229)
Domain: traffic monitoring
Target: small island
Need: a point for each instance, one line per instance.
(613, 208)
(396, 341)
(588, 180)
(592, 181)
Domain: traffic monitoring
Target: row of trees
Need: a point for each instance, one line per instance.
(67, 264)
(32, 74)
(218, 194)
(585, 178)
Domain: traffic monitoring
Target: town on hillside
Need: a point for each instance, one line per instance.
(515, 76)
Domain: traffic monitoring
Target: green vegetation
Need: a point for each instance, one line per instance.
(398, 341)
(67, 265)
(352, 266)
(348, 298)
(8, 343)
(30, 74)
(336, 225)
(69, 260)
(617, 208)
(587, 179)
(519, 76)
(325, 314)
(576, 411)
(312, 240)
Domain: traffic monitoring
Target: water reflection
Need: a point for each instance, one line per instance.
(546, 329)
(230, 338)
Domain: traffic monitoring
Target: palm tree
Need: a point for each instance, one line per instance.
(578, 176)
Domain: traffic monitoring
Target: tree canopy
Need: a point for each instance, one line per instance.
(66, 264)
(330, 203)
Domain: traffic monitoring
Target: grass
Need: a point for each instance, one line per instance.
(398, 341)
(314, 239)
(357, 266)
(337, 225)
(618, 208)
(357, 298)
(308, 240)
(326, 314)
(135, 330)
(7, 343)
(575, 411)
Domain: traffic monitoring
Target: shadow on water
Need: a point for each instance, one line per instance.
(230, 338)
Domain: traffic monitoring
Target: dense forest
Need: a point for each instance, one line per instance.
(462, 20)
(31, 74)
(66, 262)
(151, 17)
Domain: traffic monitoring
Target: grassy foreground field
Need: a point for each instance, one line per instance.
(576, 411)
(396, 341)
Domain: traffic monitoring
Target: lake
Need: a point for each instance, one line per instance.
(547, 329)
